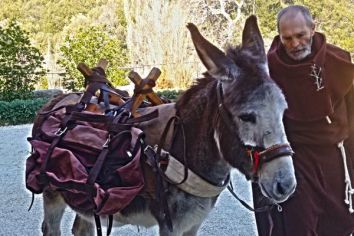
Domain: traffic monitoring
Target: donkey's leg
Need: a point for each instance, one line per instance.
(177, 231)
(83, 227)
(193, 231)
(164, 231)
(54, 207)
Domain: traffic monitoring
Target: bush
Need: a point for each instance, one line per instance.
(20, 111)
(24, 111)
(47, 93)
(89, 45)
(20, 63)
(170, 94)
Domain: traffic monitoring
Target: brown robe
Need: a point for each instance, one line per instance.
(317, 206)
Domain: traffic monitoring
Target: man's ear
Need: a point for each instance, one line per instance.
(312, 32)
(313, 28)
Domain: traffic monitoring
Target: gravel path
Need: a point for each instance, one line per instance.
(227, 218)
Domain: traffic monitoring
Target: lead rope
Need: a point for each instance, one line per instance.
(349, 191)
(247, 206)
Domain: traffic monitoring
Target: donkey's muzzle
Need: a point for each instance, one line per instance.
(277, 180)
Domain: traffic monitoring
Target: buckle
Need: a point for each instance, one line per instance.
(105, 145)
(148, 149)
(84, 105)
(60, 131)
(127, 113)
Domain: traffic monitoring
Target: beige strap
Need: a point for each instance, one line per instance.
(194, 184)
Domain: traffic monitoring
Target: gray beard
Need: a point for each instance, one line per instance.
(304, 54)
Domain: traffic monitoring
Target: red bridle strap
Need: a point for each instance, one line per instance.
(269, 154)
(255, 158)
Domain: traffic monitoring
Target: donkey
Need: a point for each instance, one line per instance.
(231, 118)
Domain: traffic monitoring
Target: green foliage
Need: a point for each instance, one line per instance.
(20, 63)
(20, 111)
(335, 18)
(10, 9)
(266, 12)
(42, 83)
(170, 94)
(49, 21)
(45, 19)
(89, 45)
(268, 16)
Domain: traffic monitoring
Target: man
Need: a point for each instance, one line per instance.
(317, 81)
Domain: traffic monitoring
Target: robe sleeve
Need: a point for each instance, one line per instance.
(349, 143)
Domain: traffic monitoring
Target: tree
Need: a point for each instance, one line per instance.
(88, 45)
(157, 35)
(20, 63)
(155, 32)
(335, 18)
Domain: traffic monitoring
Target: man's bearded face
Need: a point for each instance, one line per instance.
(296, 36)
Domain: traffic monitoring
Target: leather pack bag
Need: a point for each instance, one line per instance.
(119, 177)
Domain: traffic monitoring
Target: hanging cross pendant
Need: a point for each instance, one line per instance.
(316, 75)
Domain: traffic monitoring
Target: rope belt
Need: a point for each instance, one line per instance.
(349, 191)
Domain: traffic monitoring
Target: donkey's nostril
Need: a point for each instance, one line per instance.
(280, 188)
(285, 187)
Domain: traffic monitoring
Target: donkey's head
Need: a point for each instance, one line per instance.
(249, 131)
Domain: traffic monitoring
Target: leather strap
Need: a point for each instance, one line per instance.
(106, 119)
(110, 224)
(97, 167)
(98, 225)
(225, 114)
(59, 136)
(276, 151)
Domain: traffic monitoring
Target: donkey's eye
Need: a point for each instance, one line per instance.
(248, 117)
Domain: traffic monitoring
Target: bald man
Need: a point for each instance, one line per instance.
(317, 81)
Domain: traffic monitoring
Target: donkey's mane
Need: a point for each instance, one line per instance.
(246, 59)
(191, 103)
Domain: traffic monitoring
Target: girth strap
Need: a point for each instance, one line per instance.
(99, 225)
(161, 197)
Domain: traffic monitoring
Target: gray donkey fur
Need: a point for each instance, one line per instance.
(256, 106)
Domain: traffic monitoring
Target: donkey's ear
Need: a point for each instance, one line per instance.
(252, 38)
(212, 57)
